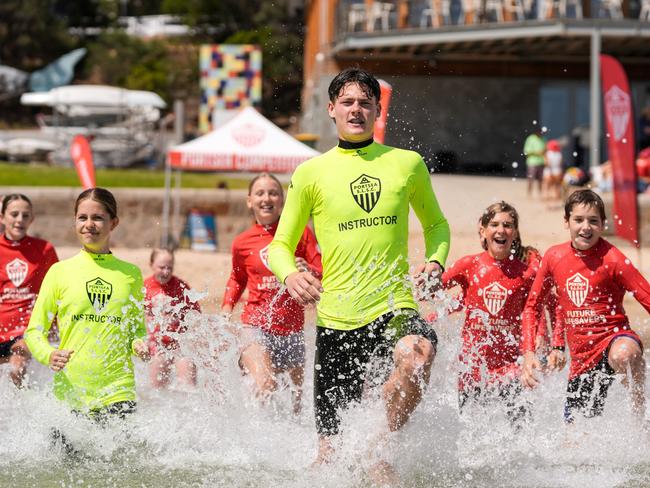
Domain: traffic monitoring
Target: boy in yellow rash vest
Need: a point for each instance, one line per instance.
(358, 195)
(97, 302)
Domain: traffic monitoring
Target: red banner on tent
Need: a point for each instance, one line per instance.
(620, 143)
(82, 157)
(380, 124)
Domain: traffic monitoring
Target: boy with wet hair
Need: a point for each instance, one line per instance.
(358, 195)
(591, 277)
(368, 83)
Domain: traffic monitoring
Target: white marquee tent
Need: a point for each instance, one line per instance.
(247, 142)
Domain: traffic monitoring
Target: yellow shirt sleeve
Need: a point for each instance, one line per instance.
(294, 218)
(434, 224)
(45, 310)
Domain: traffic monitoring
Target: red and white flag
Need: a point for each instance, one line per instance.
(620, 144)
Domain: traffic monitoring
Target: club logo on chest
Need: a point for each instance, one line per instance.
(366, 191)
(494, 297)
(17, 271)
(99, 293)
(577, 287)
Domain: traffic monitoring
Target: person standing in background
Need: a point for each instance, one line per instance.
(534, 150)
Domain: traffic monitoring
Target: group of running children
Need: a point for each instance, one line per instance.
(516, 302)
(508, 294)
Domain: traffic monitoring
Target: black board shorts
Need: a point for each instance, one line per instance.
(586, 394)
(341, 365)
(5, 347)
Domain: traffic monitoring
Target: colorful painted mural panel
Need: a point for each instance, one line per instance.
(231, 78)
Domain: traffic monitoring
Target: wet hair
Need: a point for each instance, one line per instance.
(518, 250)
(584, 197)
(100, 195)
(265, 175)
(11, 198)
(156, 251)
(366, 81)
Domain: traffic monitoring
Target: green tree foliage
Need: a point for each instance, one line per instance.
(117, 59)
(214, 18)
(280, 37)
(102, 13)
(154, 65)
(35, 32)
(30, 35)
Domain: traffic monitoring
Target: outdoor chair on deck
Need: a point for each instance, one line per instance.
(471, 11)
(561, 6)
(380, 11)
(612, 7)
(495, 6)
(356, 16)
(645, 10)
(515, 7)
(438, 9)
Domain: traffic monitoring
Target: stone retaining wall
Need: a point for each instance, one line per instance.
(140, 212)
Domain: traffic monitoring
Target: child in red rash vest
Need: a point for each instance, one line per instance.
(271, 339)
(166, 306)
(24, 261)
(495, 284)
(591, 277)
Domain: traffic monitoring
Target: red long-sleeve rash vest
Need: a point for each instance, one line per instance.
(23, 265)
(590, 285)
(281, 314)
(494, 295)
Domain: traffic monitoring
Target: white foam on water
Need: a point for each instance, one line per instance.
(220, 435)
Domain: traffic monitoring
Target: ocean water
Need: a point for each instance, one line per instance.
(221, 436)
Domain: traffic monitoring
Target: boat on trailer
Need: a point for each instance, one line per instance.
(122, 125)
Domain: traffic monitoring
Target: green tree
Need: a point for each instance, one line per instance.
(30, 35)
(169, 68)
(118, 59)
(280, 38)
(214, 19)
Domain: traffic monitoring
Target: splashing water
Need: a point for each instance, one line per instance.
(220, 435)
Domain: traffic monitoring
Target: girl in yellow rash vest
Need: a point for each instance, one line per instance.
(96, 300)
